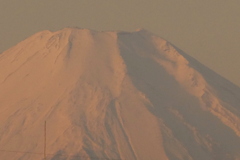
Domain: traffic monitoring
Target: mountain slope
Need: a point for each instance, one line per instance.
(113, 95)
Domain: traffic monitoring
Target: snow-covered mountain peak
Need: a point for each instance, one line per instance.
(113, 95)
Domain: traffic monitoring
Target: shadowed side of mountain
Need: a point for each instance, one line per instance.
(176, 94)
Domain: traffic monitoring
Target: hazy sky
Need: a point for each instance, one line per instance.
(208, 30)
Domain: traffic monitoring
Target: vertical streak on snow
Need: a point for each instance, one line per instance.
(125, 132)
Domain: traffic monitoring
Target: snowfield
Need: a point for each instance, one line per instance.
(113, 95)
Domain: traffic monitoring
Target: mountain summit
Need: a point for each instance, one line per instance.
(113, 95)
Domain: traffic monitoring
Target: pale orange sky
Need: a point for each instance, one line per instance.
(208, 30)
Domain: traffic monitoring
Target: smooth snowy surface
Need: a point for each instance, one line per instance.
(113, 95)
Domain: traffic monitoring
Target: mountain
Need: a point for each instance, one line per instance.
(113, 95)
